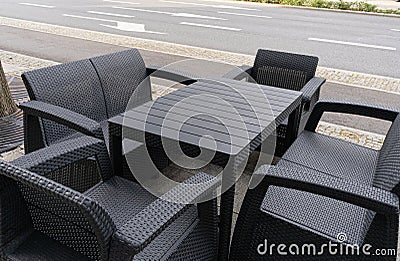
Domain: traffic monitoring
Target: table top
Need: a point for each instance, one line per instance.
(219, 114)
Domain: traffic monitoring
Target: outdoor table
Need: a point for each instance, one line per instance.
(198, 98)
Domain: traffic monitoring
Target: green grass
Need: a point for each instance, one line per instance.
(342, 5)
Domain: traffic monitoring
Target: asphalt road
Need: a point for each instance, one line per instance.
(361, 43)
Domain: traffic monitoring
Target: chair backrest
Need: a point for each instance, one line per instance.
(74, 86)
(289, 61)
(120, 74)
(281, 77)
(387, 173)
(62, 213)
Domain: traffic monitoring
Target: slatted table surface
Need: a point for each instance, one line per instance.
(225, 116)
(234, 114)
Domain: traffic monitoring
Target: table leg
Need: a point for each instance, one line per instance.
(116, 153)
(226, 212)
(293, 126)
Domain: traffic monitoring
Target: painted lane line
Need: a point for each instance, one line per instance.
(121, 2)
(353, 44)
(396, 30)
(141, 10)
(249, 15)
(122, 26)
(186, 15)
(214, 6)
(37, 5)
(89, 18)
(212, 26)
(110, 14)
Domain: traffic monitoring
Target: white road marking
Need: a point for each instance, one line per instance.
(37, 5)
(396, 30)
(353, 44)
(212, 26)
(214, 6)
(110, 14)
(249, 15)
(186, 15)
(131, 27)
(90, 18)
(140, 10)
(122, 26)
(121, 2)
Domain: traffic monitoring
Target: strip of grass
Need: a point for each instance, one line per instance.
(342, 5)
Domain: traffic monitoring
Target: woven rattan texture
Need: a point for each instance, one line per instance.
(333, 156)
(332, 187)
(120, 74)
(298, 62)
(40, 247)
(128, 198)
(66, 85)
(387, 175)
(281, 77)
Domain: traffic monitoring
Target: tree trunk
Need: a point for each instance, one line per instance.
(7, 104)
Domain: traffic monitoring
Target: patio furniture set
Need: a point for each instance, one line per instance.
(74, 196)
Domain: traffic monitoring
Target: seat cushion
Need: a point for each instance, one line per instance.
(121, 198)
(332, 156)
(320, 215)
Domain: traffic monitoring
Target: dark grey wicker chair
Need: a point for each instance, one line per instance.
(47, 216)
(326, 189)
(289, 71)
(72, 98)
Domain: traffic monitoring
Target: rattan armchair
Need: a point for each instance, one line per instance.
(289, 71)
(323, 190)
(47, 216)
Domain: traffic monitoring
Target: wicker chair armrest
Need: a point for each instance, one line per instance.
(351, 107)
(64, 153)
(63, 116)
(312, 87)
(369, 197)
(137, 233)
(239, 73)
(101, 222)
(168, 74)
